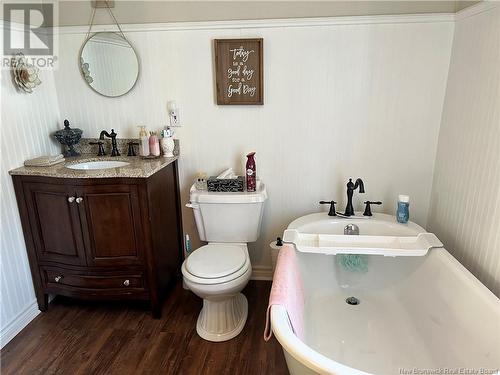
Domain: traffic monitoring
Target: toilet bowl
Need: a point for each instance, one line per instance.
(219, 271)
(224, 311)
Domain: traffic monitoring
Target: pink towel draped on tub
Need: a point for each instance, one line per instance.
(288, 291)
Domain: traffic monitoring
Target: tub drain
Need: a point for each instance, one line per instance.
(352, 301)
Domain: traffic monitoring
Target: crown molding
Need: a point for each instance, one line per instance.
(271, 23)
(277, 23)
(476, 9)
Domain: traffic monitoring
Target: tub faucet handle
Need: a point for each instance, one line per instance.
(368, 210)
(332, 207)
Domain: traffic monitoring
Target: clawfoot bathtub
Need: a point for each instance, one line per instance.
(410, 314)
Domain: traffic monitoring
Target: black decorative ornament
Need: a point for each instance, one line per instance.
(69, 137)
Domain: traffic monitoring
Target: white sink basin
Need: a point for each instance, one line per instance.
(376, 225)
(92, 165)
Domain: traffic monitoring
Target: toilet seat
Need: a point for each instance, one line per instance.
(216, 263)
(215, 260)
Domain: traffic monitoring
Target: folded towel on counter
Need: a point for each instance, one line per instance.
(288, 291)
(45, 161)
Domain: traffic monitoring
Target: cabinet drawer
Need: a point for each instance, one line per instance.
(68, 278)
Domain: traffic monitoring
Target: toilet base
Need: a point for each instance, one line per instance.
(222, 320)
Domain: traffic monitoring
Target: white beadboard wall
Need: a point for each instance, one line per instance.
(465, 208)
(27, 121)
(355, 97)
(367, 103)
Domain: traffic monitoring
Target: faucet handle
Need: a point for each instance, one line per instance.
(101, 148)
(332, 207)
(131, 150)
(368, 210)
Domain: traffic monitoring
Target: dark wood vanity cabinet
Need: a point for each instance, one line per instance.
(112, 222)
(109, 238)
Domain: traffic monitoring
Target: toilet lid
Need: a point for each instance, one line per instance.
(214, 261)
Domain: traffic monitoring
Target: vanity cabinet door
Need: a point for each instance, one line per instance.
(55, 224)
(110, 215)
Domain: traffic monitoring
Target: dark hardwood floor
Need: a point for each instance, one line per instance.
(82, 337)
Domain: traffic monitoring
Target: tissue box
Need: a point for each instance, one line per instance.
(225, 184)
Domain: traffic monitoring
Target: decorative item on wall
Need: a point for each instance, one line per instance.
(25, 75)
(86, 71)
(69, 137)
(113, 60)
(239, 71)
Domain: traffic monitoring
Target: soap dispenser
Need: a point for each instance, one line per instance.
(143, 141)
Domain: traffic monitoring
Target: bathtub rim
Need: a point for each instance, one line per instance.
(320, 363)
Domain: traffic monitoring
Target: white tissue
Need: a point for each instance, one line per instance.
(228, 173)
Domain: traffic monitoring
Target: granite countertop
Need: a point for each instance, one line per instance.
(138, 168)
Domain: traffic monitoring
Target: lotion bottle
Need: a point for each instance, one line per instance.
(143, 141)
(154, 144)
(403, 212)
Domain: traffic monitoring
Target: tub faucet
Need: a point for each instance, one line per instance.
(114, 148)
(349, 210)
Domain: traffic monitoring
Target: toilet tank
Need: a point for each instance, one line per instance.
(228, 217)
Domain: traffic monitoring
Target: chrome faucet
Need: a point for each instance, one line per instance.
(114, 148)
(349, 210)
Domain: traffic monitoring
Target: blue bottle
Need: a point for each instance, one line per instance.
(403, 213)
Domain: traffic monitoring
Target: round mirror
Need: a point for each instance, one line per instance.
(108, 64)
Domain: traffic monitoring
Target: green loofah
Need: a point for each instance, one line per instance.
(353, 262)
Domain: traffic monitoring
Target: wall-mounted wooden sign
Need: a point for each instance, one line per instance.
(239, 71)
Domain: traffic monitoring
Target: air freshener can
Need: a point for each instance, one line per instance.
(251, 176)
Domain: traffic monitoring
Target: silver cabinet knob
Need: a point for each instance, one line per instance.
(57, 278)
(79, 200)
(71, 199)
(126, 282)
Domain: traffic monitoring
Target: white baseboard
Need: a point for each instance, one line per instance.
(15, 326)
(261, 273)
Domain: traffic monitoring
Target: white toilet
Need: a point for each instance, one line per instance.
(219, 271)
